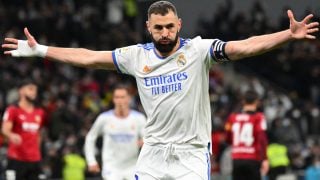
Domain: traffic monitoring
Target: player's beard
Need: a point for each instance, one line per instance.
(165, 48)
(31, 100)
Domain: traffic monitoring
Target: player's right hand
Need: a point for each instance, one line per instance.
(24, 48)
(15, 138)
(94, 168)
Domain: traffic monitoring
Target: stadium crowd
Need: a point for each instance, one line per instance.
(288, 82)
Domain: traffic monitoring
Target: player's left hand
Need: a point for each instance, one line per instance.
(304, 28)
(264, 167)
(94, 168)
(15, 138)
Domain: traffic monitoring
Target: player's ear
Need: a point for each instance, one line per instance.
(179, 24)
(148, 26)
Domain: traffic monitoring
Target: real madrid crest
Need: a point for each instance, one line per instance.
(181, 61)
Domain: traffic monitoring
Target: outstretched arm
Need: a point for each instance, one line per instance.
(261, 44)
(75, 56)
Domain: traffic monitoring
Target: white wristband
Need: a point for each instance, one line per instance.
(24, 50)
(41, 50)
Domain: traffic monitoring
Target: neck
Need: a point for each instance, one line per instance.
(26, 105)
(121, 112)
(176, 47)
(249, 107)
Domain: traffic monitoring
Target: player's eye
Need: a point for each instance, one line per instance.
(158, 27)
(169, 26)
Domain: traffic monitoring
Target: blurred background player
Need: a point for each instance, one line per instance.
(122, 131)
(21, 126)
(246, 132)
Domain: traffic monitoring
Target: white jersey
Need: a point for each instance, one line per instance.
(174, 91)
(120, 139)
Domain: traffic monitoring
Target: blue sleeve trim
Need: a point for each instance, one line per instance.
(115, 61)
(217, 51)
(211, 49)
(224, 51)
(209, 165)
(211, 53)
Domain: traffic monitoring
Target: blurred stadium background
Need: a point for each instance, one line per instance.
(288, 79)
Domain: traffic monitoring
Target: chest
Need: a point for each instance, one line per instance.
(120, 132)
(168, 74)
(150, 64)
(119, 126)
(29, 122)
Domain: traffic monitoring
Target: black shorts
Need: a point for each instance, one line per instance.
(246, 170)
(20, 170)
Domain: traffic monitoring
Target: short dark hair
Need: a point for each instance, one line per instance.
(250, 97)
(25, 82)
(121, 86)
(161, 7)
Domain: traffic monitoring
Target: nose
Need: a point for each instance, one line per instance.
(165, 32)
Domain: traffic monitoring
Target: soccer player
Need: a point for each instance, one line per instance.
(172, 78)
(122, 131)
(21, 125)
(246, 132)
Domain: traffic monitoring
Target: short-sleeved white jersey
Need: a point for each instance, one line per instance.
(174, 91)
(120, 139)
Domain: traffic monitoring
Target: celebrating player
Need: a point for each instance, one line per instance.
(246, 132)
(172, 79)
(122, 132)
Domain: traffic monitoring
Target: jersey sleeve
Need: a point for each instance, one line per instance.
(45, 119)
(228, 130)
(228, 124)
(90, 141)
(263, 141)
(9, 114)
(261, 135)
(217, 51)
(262, 123)
(212, 50)
(123, 59)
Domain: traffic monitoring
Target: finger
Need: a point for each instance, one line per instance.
(312, 30)
(310, 37)
(290, 15)
(27, 33)
(312, 25)
(14, 53)
(307, 18)
(7, 52)
(9, 46)
(11, 40)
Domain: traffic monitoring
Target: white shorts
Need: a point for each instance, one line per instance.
(118, 174)
(173, 162)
